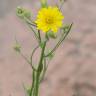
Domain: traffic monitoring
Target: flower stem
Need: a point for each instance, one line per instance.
(40, 68)
(36, 76)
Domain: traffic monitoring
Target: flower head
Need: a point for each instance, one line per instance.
(49, 19)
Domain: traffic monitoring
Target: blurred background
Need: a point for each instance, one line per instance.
(72, 72)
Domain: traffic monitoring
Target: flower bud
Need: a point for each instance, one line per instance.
(65, 28)
(23, 13)
(51, 34)
(17, 48)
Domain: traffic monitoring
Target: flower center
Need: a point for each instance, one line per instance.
(49, 20)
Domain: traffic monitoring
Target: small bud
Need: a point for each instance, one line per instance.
(51, 34)
(22, 13)
(65, 28)
(17, 48)
(44, 3)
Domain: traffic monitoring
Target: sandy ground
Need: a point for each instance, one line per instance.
(72, 71)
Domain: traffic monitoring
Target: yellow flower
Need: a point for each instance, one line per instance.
(49, 19)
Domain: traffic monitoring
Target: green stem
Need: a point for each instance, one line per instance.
(29, 21)
(44, 69)
(35, 34)
(31, 57)
(33, 82)
(39, 70)
(39, 36)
